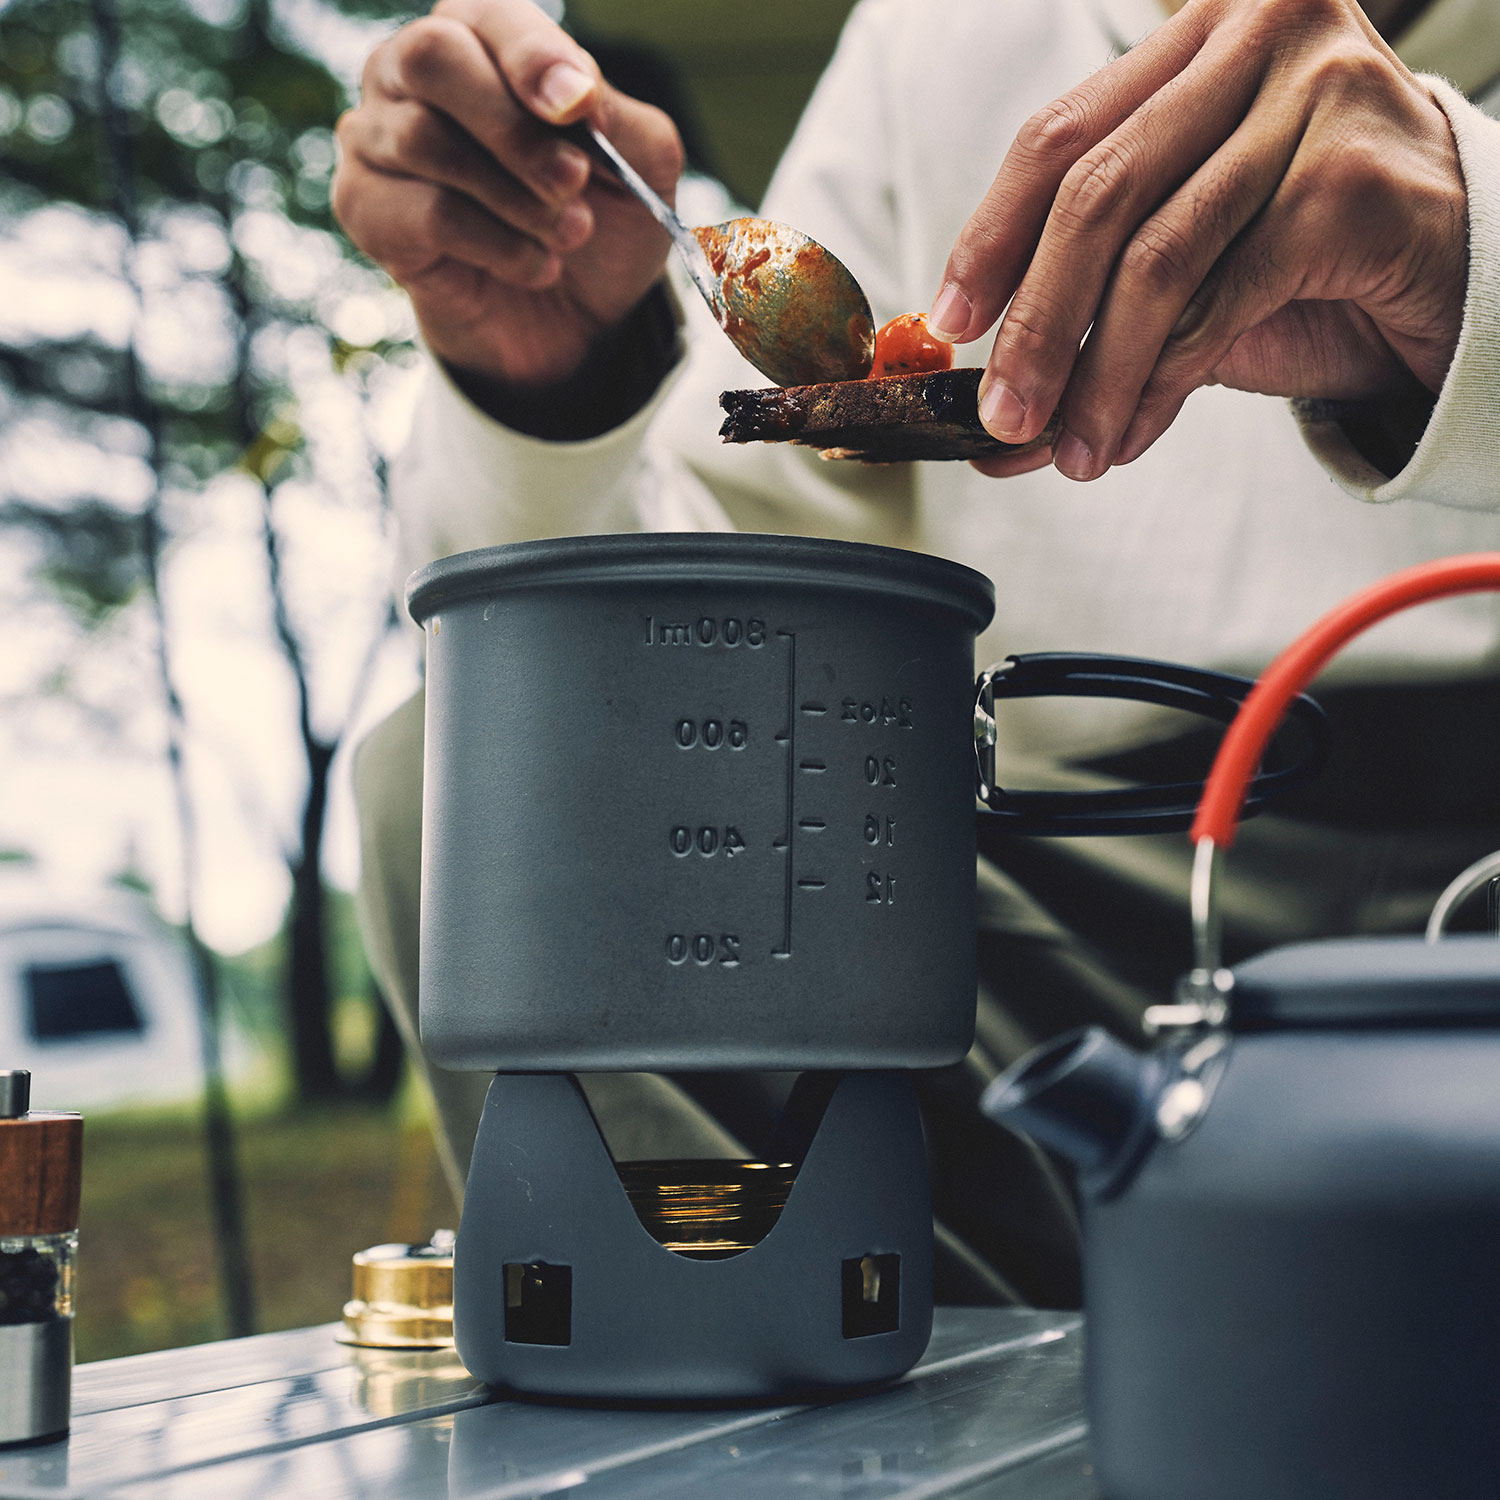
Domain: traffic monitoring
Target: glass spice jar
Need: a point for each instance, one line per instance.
(40, 1160)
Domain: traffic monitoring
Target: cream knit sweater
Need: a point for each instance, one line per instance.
(1215, 547)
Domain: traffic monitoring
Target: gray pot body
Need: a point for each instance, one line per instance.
(1301, 1297)
(698, 801)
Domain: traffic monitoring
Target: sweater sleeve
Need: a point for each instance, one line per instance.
(1456, 461)
(464, 480)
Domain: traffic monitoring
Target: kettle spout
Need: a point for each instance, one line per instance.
(1085, 1096)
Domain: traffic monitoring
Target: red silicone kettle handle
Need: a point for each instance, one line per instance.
(1245, 743)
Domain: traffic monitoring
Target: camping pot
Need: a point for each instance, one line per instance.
(700, 801)
(1292, 1206)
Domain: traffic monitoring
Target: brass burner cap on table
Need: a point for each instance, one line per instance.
(707, 1209)
(403, 1296)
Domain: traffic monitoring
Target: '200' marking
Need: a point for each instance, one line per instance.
(703, 950)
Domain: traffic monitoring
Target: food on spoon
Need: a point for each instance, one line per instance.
(932, 414)
(788, 305)
(905, 347)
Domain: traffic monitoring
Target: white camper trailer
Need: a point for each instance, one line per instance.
(96, 999)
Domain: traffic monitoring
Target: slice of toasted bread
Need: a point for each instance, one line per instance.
(885, 420)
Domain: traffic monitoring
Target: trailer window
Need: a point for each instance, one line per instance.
(67, 1001)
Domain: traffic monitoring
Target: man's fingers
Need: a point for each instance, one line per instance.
(410, 139)
(547, 71)
(508, 75)
(408, 226)
(993, 248)
(645, 136)
(1008, 465)
(1249, 285)
(1161, 267)
(1101, 202)
(555, 80)
(443, 64)
(1306, 347)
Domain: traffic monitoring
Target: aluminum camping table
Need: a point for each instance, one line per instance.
(993, 1410)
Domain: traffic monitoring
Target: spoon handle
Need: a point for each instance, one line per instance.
(583, 135)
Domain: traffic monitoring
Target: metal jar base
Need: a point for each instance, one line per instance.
(36, 1374)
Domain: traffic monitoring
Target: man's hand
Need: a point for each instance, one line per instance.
(516, 255)
(1259, 195)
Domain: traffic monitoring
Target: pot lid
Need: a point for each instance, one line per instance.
(1370, 982)
(704, 557)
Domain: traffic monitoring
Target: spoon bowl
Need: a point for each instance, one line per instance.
(788, 305)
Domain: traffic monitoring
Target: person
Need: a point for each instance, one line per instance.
(1317, 219)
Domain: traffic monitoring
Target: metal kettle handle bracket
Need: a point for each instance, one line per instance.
(1136, 809)
(1204, 992)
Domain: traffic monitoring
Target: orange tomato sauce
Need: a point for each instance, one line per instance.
(905, 347)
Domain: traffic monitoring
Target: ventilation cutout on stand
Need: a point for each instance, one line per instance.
(872, 1295)
(538, 1303)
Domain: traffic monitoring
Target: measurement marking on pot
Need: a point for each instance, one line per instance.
(812, 766)
(811, 885)
(706, 631)
(814, 708)
(811, 825)
(788, 738)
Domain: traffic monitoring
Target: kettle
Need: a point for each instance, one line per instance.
(1292, 1204)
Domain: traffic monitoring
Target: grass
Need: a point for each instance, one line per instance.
(318, 1185)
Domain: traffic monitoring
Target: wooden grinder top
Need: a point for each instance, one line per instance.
(41, 1159)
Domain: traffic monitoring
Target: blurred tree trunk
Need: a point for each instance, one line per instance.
(226, 1193)
(388, 1062)
(309, 992)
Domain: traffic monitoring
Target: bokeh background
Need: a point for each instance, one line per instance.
(201, 384)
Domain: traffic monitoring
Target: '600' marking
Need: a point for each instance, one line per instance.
(711, 733)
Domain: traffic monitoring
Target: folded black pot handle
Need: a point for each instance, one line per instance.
(1135, 809)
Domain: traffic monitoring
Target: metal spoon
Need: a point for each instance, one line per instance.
(788, 305)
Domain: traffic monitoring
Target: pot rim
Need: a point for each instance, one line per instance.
(693, 557)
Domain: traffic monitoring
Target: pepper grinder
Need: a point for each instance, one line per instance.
(41, 1154)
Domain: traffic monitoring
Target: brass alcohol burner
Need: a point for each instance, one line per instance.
(403, 1296)
(707, 1209)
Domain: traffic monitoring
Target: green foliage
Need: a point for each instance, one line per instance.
(204, 104)
(213, 138)
(91, 556)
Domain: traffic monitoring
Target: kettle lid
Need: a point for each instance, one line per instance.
(1370, 982)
